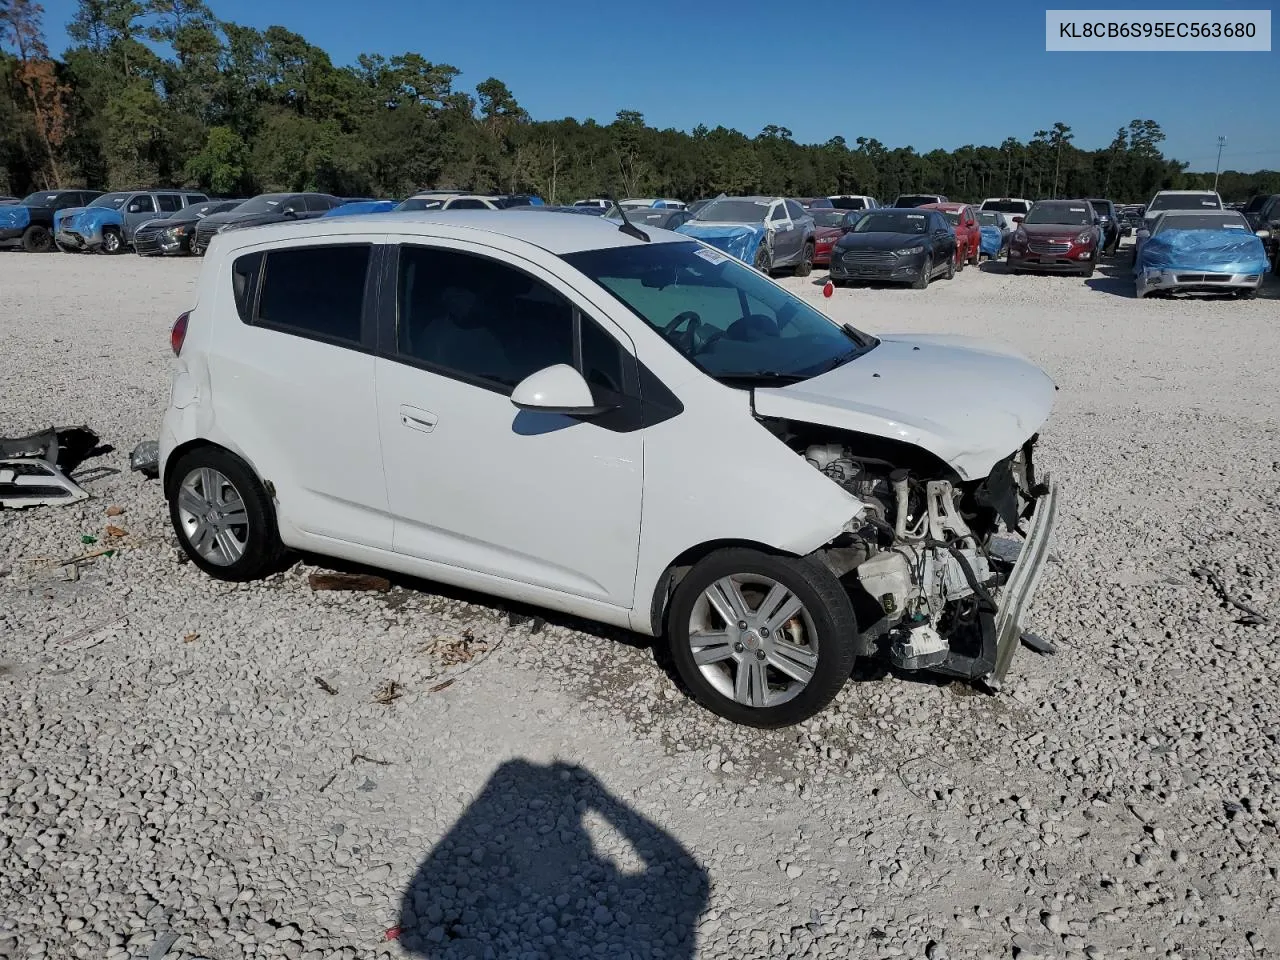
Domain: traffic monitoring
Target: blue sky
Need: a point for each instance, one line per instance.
(932, 74)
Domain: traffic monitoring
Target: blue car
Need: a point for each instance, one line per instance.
(108, 224)
(361, 206)
(768, 233)
(30, 223)
(1200, 251)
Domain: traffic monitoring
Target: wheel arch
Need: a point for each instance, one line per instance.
(674, 572)
(168, 480)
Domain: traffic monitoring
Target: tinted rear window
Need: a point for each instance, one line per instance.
(1006, 206)
(311, 291)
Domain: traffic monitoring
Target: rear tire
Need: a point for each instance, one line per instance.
(37, 239)
(754, 665)
(952, 268)
(223, 517)
(975, 254)
(805, 267)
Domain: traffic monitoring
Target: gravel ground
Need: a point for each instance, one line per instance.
(191, 769)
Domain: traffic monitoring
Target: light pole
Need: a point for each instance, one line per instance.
(1222, 142)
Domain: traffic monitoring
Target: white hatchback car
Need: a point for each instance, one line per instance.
(629, 427)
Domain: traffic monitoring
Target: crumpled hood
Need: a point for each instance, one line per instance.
(14, 217)
(968, 401)
(87, 220)
(740, 240)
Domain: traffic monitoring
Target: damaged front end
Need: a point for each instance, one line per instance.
(940, 570)
(36, 470)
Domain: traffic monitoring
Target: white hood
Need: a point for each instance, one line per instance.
(970, 402)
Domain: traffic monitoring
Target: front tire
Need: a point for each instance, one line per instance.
(37, 239)
(953, 267)
(805, 267)
(223, 517)
(926, 274)
(762, 261)
(112, 242)
(761, 640)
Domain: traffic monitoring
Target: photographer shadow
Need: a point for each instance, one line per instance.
(547, 863)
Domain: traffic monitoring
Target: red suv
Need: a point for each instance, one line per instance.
(1059, 235)
(968, 233)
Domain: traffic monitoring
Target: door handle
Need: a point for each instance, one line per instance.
(416, 419)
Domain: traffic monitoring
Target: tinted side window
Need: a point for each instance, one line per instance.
(244, 283)
(169, 202)
(778, 213)
(317, 204)
(479, 318)
(141, 204)
(314, 291)
(795, 210)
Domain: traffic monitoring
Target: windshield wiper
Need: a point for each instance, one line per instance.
(761, 376)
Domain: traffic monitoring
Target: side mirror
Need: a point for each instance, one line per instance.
(1017, 219)
(289, 212)
(556, 389)
(134, 207)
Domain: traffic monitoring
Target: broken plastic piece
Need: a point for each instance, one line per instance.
(1039, 644)
(35, 470)
(145, 459)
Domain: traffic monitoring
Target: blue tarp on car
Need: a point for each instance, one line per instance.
(740, 240)
(14, 217)
(1203, 251)
(361, 206)
(992, 241)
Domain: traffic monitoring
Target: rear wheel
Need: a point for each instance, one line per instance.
(761, 640)
(112, 242)
(37, 239)
(975, 254)
(223, 517)
(805, 267)
(953, 266)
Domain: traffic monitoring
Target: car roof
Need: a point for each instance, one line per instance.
(951, 206)
(1193, 213)
(1159, 192)
(555, 233)
(1057, 203)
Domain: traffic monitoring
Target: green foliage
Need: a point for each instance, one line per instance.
(161, 91)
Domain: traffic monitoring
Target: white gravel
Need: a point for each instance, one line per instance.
(175, 783)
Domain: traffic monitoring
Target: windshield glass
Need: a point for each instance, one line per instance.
(421, 203)
(263, 204)
(112, 200)
(952, 215)
(1186, 221)
(914, 200)
(849, 203)
(989, 219)
(890, 222)
(1006, 206)
(42, 199)
(731, 210)
(723, 316)
(827, 218)
(1102, 207)
(1066, 214)
(1185, 201)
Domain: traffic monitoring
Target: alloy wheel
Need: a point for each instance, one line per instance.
(753, 640)
(213, 516)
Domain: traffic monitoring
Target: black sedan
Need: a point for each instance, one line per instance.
(262, 209)
(897, 245)
(172, 236)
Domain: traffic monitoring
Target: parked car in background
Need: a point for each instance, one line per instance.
(107, 225)
(641, 203)
(1063, 236)
(1200, 250)
(828, 227)
(1263, 214)
(853, 201)
(1167, 200)
(704, 457)
(814, 203)
(171, 236)
(663, 218)
(964, 220)
(770, 233)
(593, 202)
(606, 212)
(448, 200)
(6, 200)
(353, 207)
(262, 209)
(699, 204)
(903, 245)
(995, 234)
(1112, 229)
(918, 199)
(1008, 207)
(30, 221)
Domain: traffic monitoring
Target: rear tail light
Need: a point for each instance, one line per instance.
(178, 334)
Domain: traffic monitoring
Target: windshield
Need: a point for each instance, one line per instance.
(112, 200)
(1066, 214)
(849, 203)
(914, 200)
(828, 218)
(38, 199)
(1185, 201)
(1102, 206)
(887, 222)
(732, 210)
(1187, 221)
(952, 215)
(1006, 206)
(263, 204)
(988, 219)
(724, 317)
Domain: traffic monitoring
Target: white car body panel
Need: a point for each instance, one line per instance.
(905, 390)
(576, 518)
(1006, 216)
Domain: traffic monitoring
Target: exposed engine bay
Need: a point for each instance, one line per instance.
(928, 560)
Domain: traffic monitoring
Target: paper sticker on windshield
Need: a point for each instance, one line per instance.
(1076, 209)
(713, 257)
(915, 216)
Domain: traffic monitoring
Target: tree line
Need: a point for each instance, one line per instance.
(162, 92)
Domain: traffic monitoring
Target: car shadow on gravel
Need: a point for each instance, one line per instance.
(546, 862)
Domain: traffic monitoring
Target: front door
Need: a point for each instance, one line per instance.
(472, 481)
(137, 211)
